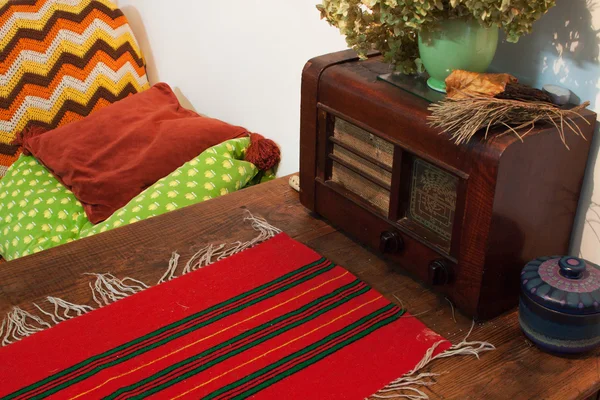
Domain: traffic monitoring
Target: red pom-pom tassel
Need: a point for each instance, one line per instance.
(264, 153)
(27, 134)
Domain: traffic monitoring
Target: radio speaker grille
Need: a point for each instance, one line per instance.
(362, 163)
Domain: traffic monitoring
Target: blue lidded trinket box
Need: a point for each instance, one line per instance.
(559, 308)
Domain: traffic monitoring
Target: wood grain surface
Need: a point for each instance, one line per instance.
(516, 370)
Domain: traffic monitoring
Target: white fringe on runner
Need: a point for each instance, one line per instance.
(170, 274)
(213, 253)
(63, 310)
(107, 288)
(19, 324)
(413, 378)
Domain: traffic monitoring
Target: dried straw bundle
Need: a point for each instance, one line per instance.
(463, 118)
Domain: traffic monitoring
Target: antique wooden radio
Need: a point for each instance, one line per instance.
(464, 219)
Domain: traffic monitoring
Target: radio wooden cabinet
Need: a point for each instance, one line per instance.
(464, 219)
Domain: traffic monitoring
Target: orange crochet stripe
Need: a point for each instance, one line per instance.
(43, 45)
(7, 11)
(6, 160)
(71, 116)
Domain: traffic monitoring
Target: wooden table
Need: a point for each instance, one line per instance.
(516, 370)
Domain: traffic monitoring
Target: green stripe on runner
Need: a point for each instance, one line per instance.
(169, 327)
(168, 339)
(224, 357)
(308, 349)
(316, 358)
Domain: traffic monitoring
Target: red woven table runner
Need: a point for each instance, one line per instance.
(275, 322)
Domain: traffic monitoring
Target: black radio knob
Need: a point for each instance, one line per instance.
(391, 243)
(439, 272)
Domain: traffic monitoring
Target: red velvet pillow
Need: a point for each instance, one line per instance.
(111, 156)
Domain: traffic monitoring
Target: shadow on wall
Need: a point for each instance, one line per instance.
(593, 220)
(563, 41)
(563, 49)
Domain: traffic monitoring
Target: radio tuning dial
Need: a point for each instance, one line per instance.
(439, 272)
(391, 243)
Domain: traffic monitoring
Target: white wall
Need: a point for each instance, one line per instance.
(241, 61)
(238, 60)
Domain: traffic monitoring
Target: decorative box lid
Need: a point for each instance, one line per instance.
(566, 284)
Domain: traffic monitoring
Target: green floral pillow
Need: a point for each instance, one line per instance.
(36, 211)
(216, 172)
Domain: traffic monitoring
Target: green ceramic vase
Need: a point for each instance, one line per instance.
(458, 44)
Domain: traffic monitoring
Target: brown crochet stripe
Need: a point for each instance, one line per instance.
(13, 3)
(38, 35)
(8, 149)
(85, 109)
(68, 58)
